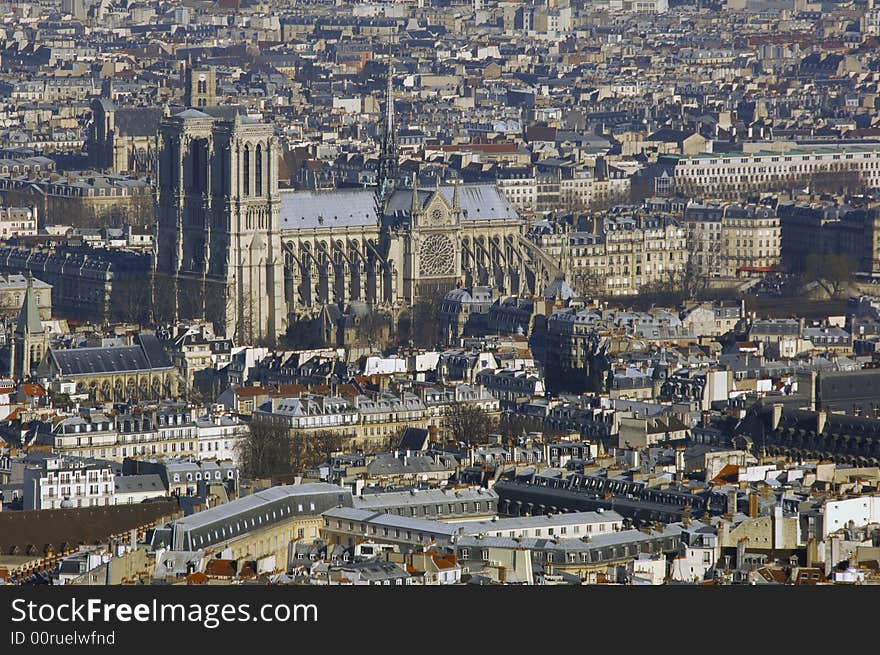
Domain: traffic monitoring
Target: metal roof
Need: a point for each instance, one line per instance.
(309, 210)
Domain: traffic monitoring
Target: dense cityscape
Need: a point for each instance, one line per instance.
(439, 292)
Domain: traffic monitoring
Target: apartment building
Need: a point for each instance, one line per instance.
(172, 430)
(829, 228)
(519, 186)
(729, 175)
(750, 240)
(18, 222)
(628, 250)
(59, 482)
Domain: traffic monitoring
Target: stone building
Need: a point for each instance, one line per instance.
(626, 250)
(254, 259)
(85, 283)
(201, 87)
(123, 139)
(82, 199)
(829, 228)
(257, 527)
(750, 240)
(219, 221)
(730, 174)
(13, 287)
(142, 371)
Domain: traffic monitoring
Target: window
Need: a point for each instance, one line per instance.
(258, 170)
(246, 165)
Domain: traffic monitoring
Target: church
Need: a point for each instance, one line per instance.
(253, 258)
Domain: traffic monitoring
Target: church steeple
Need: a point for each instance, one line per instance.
(29, 337)
(386, 176)
(29, 315)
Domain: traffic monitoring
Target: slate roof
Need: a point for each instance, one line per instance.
(137, 121)
(145, 356)
(37, 529)
(413, 439)
(263, 508)
(126, 484)
(192, 113)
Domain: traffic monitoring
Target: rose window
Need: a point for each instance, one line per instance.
(437, 256)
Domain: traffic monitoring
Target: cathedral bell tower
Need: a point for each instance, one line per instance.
(218, 228)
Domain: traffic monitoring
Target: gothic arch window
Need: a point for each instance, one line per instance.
(225, 172)
(246, 173)
(258, 170)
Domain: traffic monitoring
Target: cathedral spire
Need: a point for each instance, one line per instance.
(386, 176)
(415, 205)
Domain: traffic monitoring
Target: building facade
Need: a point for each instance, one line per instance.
(254, 259)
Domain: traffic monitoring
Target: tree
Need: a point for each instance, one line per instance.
(833, 272)
(303, 334)
(424, 327)
(266, 450)
(373, 328)
(467, 422)
(130, 300)
(164, 290)
(589, 282)
(677, 285)
(513, 426)
(309, 450)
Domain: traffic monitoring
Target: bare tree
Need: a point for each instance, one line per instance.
(266, 450)
(424, 325)
(130, 300)
(374, 328)
(467, 422)
(589, 282)
(512, 426)
(309, 450)
(833, 272)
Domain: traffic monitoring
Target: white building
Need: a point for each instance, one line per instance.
(132, 489)
(18, 221)
(700, 551)
(59, 482)
(732, 174)
(852, 512)
(219, 436)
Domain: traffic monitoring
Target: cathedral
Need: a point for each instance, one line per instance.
(254, 258)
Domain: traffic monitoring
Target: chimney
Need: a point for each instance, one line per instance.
(679, 459)
(753, 505)
(777, 414)
(731, 502)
